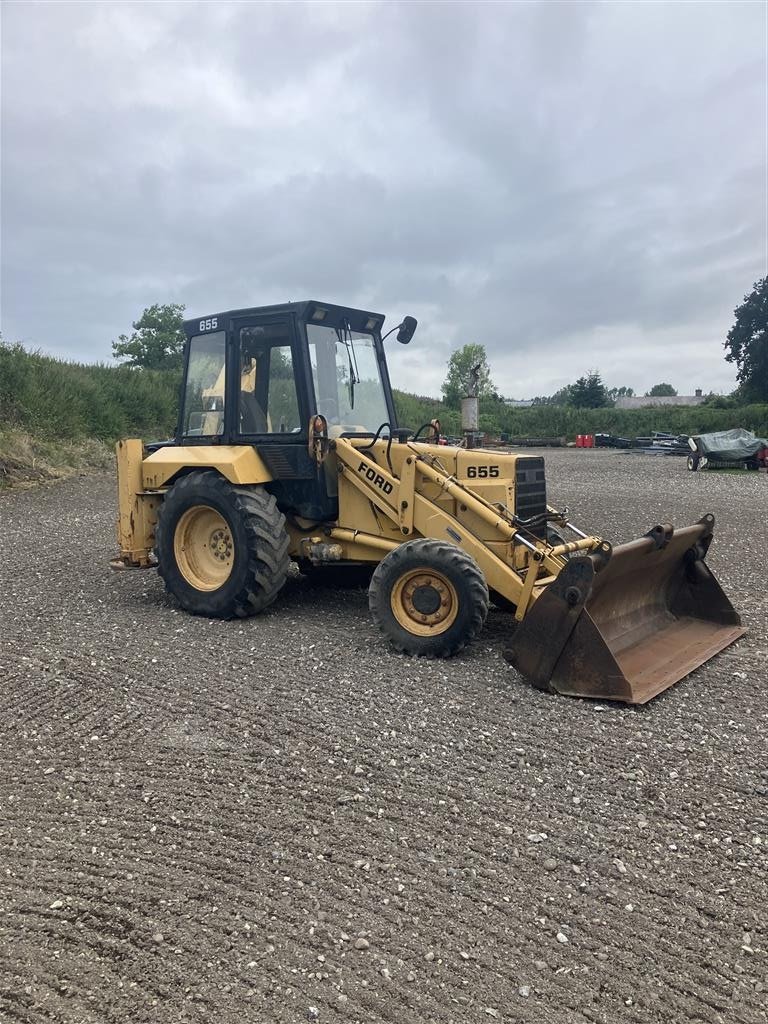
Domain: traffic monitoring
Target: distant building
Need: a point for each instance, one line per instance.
(644, 401)
(518, 405)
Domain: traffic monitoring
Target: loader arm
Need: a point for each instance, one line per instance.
(402, 500)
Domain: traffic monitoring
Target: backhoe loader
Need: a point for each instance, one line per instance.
(288, 448)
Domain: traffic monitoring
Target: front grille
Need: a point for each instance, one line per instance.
(530, 490)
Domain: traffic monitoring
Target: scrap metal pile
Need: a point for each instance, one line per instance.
(657, 443)
(725, 449)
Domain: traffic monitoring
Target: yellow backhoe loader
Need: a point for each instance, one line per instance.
(287, 447)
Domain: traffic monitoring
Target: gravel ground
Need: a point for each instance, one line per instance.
(282, 820)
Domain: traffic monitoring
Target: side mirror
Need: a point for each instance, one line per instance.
(407, 329)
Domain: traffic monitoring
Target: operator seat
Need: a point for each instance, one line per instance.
(253, 419)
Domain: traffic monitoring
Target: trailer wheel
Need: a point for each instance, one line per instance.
(692, 462)
(222, 551)
(429, 598)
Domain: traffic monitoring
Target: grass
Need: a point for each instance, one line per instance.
(58, 400)
(26, 460)
(58, 417)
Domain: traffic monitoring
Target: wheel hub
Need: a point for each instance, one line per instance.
(203, 548)
(221, 544)
(425, 602)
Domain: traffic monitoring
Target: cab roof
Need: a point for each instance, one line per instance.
(309, 310)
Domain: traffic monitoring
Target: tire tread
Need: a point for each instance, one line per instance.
(439, 554)
(268, 539)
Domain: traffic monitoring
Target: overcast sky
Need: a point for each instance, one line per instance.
(573, 185)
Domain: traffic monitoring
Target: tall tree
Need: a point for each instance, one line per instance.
(747, 343)
(589, 392)
(622, 392)
(661, 391)
(157, 340)
(460, 379)
(562, 397)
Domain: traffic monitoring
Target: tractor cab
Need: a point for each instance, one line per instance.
(259, 376)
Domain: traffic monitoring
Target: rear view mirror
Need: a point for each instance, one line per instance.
(407, 330)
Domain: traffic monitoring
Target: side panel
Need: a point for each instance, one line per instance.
(494, 476)
(240, 464)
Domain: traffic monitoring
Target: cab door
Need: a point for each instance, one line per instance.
(269, 402)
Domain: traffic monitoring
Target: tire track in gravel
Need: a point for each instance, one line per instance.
(263, 793)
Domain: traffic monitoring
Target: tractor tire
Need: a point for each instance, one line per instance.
(429, 598)
(222, 551)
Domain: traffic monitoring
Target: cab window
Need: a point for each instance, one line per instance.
(203, 410)
(268, 402)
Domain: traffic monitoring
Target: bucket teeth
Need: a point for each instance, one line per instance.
(628, 627)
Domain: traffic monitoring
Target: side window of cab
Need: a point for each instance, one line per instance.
(268, 402)
(203, 409)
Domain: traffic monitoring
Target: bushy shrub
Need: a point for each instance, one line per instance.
(52, 398)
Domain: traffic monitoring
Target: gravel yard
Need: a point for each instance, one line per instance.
(279, 819)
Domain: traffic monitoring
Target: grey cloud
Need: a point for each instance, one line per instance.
(575, 185)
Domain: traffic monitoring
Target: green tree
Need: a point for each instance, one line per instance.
(622, 392)
(157, 341)
(459, 379)
(661, 391)
(747, 344)
(562, 397)
(589, 392)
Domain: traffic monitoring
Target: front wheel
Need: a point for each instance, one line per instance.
(222, 551)
(429, 598)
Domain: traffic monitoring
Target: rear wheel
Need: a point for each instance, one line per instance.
(222, 551)
(429, 598)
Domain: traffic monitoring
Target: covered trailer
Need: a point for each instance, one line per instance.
(727, 449)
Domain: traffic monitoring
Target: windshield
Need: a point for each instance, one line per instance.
(348, 385)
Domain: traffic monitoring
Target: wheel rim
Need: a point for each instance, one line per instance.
(425, 602)
(203, 548)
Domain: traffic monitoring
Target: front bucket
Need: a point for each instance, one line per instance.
(627, 623)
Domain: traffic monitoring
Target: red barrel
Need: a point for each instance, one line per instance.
(579, 440)
(589, 440)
